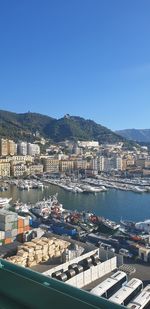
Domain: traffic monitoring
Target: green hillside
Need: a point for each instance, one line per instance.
(24, 126)
(138, 135)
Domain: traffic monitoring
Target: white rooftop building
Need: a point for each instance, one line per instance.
(88, 144)
(143, 226)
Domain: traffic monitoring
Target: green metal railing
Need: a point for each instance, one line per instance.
(23, 288)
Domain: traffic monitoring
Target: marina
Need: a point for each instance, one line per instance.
(51, 215)
(112, 204)
(100, 184)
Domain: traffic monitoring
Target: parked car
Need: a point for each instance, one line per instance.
(125, 253)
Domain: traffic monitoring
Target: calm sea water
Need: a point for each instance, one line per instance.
(113, 204)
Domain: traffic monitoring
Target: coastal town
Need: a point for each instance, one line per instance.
(43, 234)
(74, 154)
(86, 157)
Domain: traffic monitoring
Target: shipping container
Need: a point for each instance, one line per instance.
(8, 234)
(20, 222)
(20, 230)
(6, 226)
(7, 216)
(15, 225)
(26, 228)
(26, 221)
(2, 235)
(8, 241)
(62, 229)
(14, 232)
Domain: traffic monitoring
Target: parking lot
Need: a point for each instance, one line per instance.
(142, 271)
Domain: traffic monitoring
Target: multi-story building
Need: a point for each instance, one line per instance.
(111, 163)
(7, 147)
(35, 169)
(33, 149)
(94, 164)
(124, 164)
(21, 159)
(3, 147)
(51, 165)
(146, 172)
(4, 169)
(19, 170)
(147, 164)
(5, 160)
(118, 163)
(77, 150)
(88, 144)
(12, 149)
(80, 164)
(100, 163)
(22, 148)
(140, 162)
(66, 165)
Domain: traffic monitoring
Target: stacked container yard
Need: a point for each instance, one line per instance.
(39, 250)
(8, 226)
(2, 237)
(23, 226)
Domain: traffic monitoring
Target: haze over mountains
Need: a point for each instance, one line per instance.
(138, 135)
(24, 126)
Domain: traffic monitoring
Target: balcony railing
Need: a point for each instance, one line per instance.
(23, 288)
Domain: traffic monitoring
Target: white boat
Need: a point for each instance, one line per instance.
(78, 189)
(4, 201)
(143, 226)
(109, 225)
(45, 207)
(138, 189)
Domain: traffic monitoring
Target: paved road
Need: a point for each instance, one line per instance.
(142, 271)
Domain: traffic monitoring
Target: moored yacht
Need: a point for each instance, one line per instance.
(107, 225)
(4, 202)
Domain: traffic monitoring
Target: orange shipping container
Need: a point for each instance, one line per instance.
(27, 228)
(20, 223)
(7, 241)
(20, 230)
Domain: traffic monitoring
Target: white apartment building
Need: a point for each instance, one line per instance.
(94, 164)
(33, 149)
(100, 163)
(119, 164)
(88, 144)
(109, 164)
(22, 148)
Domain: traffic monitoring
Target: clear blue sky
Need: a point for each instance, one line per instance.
(83, 57)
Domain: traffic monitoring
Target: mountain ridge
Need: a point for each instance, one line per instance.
(24, 126)
(138, 135)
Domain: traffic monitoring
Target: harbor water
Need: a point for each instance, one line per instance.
(112, 204)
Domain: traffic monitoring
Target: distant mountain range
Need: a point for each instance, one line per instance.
(142, 135)
(24, 127)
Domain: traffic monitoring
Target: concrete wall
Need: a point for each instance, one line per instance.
(93, 273)
(64, 266)
(106, 255)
